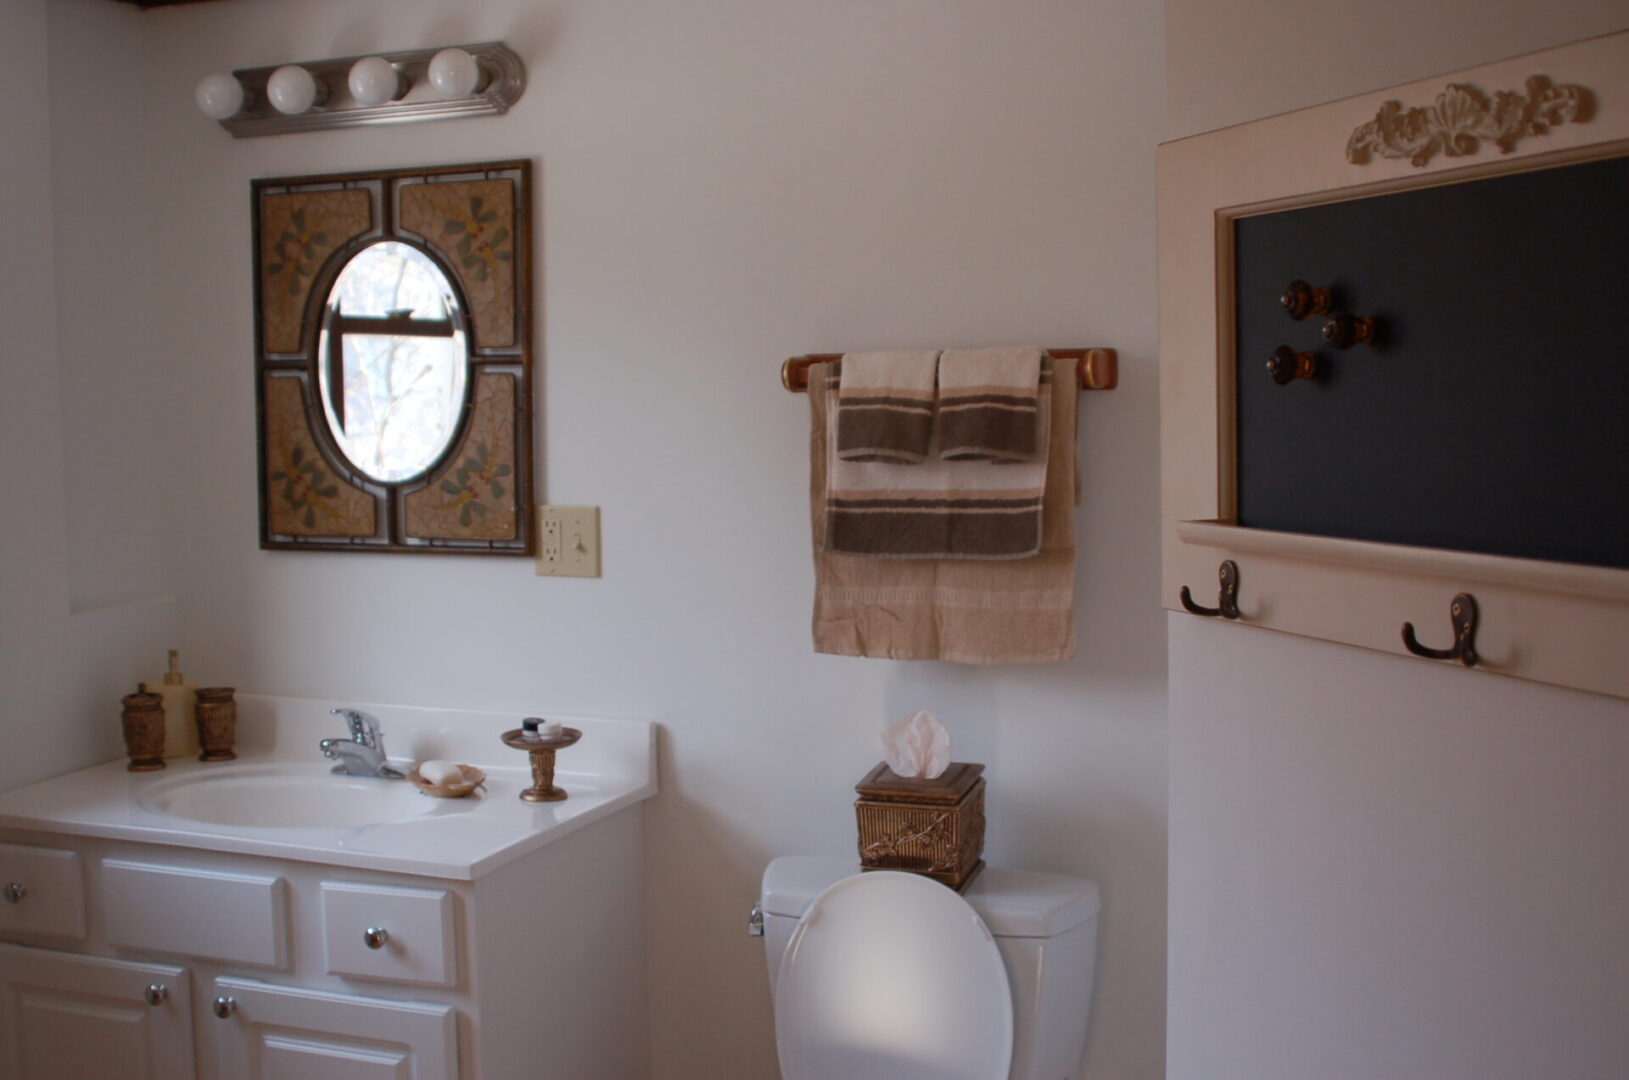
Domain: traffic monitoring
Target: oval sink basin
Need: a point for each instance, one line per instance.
(286, 798)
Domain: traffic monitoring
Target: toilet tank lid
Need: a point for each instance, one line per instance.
(1012, 903)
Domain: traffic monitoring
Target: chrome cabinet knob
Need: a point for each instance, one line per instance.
(15, 892)
(375, 937)
(156, 994)
(225, 1007)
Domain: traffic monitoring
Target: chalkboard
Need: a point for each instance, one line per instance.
(1490, 413)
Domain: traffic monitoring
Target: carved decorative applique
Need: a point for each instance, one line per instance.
(298, 232)
(1463, 116)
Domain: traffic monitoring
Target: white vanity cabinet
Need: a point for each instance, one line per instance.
(304, 926)
(121, 960)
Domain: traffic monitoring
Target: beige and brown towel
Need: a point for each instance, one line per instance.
(989, 404)
(972, 611)
(885, 406)
(975, 509)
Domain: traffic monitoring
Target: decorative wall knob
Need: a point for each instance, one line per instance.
(156, 994)
(225, 1006)
(1344, 331)
(15, 892)
(1287, 364)
(1300, 300)
(375, 937)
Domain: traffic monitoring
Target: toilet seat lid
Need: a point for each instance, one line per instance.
(892, 976)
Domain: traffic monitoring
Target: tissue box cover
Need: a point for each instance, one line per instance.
(930, 827)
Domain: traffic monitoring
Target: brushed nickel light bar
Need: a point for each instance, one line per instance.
(381, 88)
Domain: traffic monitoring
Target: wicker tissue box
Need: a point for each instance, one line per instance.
(931, 827)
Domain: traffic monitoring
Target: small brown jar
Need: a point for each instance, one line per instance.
(217, 716)
(143, 719)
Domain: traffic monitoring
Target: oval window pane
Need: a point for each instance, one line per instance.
(392, 361)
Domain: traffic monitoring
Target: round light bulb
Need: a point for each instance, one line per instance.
(292, 89)
(374, 81)
(454, 73)
(219, 96)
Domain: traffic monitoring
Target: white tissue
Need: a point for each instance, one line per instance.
(917, 746)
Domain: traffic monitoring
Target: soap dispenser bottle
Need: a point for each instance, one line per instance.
(180, 733)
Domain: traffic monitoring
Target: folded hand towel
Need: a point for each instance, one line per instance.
(988, 404)
(1015, 611)
(977, 509)
(885, 406)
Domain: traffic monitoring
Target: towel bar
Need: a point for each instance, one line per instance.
(1095, 369)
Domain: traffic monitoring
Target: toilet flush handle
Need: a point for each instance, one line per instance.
(755, 921)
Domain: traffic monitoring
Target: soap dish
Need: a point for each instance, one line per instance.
(473, 778)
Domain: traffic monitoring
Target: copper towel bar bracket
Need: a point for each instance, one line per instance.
(1095, 369)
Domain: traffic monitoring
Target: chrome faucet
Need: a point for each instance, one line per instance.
(363, 754)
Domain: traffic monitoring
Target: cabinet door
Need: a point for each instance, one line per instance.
(88, 1018)
(283, 1033)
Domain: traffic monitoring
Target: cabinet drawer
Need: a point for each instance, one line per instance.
(43, 891)
(179, 910)
(392, 933)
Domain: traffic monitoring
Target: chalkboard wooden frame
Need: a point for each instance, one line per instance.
(1552, 622)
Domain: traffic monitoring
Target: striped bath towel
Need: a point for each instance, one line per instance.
(971, 611)
(885, 406)
(989, 404)
(976, 509)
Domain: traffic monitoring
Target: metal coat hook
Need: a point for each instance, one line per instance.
(1463, 615)
(1228, 603)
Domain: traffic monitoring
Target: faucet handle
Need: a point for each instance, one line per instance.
(364, 728)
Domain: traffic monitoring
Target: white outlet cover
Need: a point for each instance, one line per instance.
(568, 541)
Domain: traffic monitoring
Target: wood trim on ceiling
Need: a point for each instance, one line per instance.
(145, 4)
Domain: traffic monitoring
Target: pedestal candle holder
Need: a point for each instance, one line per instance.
(542, 750)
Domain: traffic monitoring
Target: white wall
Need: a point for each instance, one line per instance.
(1382, 866)
(722, 183)
(62, 673)
(1390, 868)
(1235, 60)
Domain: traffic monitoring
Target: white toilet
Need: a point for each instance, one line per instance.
(887, 976)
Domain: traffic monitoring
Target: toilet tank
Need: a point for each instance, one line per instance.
(1044, 924)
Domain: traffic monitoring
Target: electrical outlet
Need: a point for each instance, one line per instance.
(568, 541)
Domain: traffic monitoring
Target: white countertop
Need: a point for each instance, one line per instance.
(612, 767)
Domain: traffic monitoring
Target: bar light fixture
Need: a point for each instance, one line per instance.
(384, 88)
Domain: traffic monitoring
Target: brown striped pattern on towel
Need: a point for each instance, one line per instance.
(989, 404)
(972, 611)
(975, 509)
(885, 406)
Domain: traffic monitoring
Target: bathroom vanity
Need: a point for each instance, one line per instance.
(265, 918)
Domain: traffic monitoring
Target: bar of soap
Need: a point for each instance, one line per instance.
(440, 773)
(550, 729)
